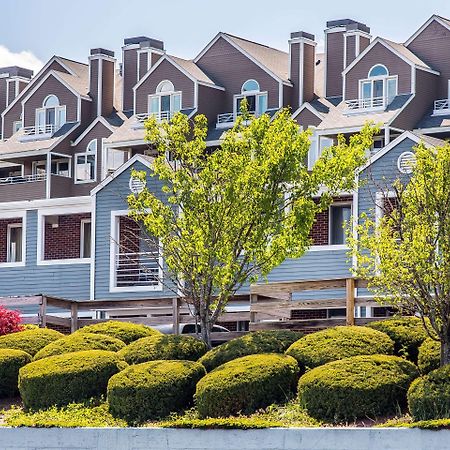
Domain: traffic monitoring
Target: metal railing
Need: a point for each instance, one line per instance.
(137, 269)
(366, 103)
(441, 107)
(23, 179)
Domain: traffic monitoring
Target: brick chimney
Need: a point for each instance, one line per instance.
(345, 39)
(12, 82)
(302, 55)
(102, 68)
(139, 54)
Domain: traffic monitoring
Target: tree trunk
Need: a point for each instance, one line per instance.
(205, 326)
(445, 350)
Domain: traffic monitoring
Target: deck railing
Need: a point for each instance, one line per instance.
(159, 116)
(23, 179)
(359, 104)
(441, 107)
(225, 120)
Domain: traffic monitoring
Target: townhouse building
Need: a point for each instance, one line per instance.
(72, 133)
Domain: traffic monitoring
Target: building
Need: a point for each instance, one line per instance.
(72, 133)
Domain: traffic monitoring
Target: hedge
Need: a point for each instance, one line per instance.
(10, 363)
(429, 356)
(125, 331)
(80, 342)
(336, 343)
(249, 344)
(246, 384)
(30, 341)
(355, 387)
(163, 346)
(407, 333)
(429, 396)
(71, 377)
(153, 389)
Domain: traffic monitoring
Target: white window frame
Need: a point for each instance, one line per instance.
(164, 94)
(114, 238)
(23, 216)
(58, 110)
(371, 80)
(35, 164)
(9, 227)
(85, 154)
(337, 203)
(82, 238)
(256, 93)
(17, 126)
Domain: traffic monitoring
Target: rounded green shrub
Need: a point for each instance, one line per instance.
(355, 387)
(336, 343)
(246, 384)
(407, 333)
(429, 396)
(125, 331)
(252, 343)
(429, 355)
(71, 377)
(30, 341)
(10, 363)
(80, 342)
(163, 346)
(153, 389)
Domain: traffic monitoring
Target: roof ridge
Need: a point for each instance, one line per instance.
(254, 42)
(72, 60)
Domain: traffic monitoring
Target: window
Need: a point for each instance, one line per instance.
(14, 242)
(86, 164)
(85, 236)
(379, 89)
(58, 167)
(17, 125)
(165, 102)
(114, 159)
(339, 216)
(256, 100)
(51, 116)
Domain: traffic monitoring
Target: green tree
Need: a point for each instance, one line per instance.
(235, 213)
(405, 253)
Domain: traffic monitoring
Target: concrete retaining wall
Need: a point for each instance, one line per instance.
(267, 439)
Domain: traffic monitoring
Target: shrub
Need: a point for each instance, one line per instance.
(10, 363)
(30, 341)
(125, 331)
(153, 389)
(429, 355)
(163, 346)
(407, 333)
(359, 386)
(80, 342)
(10, 321)
(249, 344)
(429, 396)
(336, 343)
(71, 377)
(246, 384)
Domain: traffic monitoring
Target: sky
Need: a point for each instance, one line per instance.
(32, 31)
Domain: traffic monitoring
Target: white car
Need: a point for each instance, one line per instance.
(188, 328)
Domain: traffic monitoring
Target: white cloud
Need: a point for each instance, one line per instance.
(25, 59)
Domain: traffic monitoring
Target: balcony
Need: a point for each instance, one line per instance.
(37, 132)
(441, 107)
(137, 269)
(160, 116)
(362, 105)
(226, 120)
(27, 187)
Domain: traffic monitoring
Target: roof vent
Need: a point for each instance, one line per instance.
(406, 162)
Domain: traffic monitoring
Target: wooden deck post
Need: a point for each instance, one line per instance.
(43, 312)
(253, 315)
(350, 300)
(73, 317)
(176, 315)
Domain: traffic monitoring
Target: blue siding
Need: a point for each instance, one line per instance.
(113, 198)
(60, 280)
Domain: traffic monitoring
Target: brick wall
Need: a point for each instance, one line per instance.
(129, 238)
(307, 314)
(319, 232)
(63, 242)
(3, 237)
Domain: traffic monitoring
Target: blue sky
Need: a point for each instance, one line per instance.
(33, 30)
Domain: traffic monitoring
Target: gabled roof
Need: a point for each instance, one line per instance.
(442, 20)
(192, 68)
(97, 120)
(310, 108)
(145, 160)
(275, 62)
(398, 49)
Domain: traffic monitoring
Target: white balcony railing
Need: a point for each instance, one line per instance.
(23, 179)
(226, 120)
(38, 132)
(137, 269)
(441, 107)
(361, 104)
(160, 116)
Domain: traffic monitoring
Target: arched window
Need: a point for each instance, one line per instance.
(165, 102)
(250, 86)
(86, 164)
(51, 116)
(51, 101)
(378, 71)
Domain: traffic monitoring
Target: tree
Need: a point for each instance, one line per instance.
(10, 321)
(405, 254)
(235, 213)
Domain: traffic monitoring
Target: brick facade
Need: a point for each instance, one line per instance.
(4, 238)
(63, 241)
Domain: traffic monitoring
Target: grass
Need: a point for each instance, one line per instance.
(407, 422)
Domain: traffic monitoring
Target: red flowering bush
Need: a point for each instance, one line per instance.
(10, 321)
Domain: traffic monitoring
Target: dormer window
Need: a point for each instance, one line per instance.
(165, 102)
(86, 164)
(379, 89)
(256, 100)
(51, 117)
